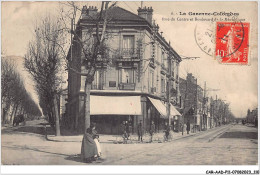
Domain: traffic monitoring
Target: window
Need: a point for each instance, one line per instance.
(173, 68)
(128, 45)
(98, 80)
(162, 84)
(157, 52)
(127, 76)
(162, 61)
(151, 80)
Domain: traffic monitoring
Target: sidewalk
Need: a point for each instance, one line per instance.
(117, 139)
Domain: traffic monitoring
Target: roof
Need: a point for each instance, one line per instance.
(119, 14)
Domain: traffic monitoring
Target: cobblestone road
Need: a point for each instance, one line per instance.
(226, 145)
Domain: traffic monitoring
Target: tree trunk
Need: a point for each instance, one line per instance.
(13, 113)
(87, 104)
(57, 118)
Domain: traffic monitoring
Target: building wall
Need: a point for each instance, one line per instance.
(191, 97)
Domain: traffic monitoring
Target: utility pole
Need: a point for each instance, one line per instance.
(168, 88)
(204, 108)
(196, 105)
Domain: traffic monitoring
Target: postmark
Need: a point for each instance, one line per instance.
(204, 34)
(232, 45)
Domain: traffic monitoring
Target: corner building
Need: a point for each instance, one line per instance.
(132, 85)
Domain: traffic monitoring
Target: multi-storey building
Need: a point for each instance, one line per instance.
(131, 84)
(191, 101)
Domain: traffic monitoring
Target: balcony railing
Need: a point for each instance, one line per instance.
(126, 86)
(127, 52)
(97, 87)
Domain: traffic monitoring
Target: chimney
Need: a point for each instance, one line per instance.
(146, 13)
(90, 11)
(84, 12)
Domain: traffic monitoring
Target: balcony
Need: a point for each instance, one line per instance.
(127, 54)
(97, 87)
(126, 86)
(163, 69)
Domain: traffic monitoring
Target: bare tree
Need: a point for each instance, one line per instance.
(43, 62)
(91, 47)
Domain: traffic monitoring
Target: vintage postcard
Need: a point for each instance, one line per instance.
(130, 83)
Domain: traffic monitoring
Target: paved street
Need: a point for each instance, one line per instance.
(225, 145)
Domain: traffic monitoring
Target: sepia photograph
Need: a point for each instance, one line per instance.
(130, 83)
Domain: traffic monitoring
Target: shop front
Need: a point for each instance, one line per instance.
(109, 112)
(161, 119)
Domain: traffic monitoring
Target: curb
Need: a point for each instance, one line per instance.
(145, 142)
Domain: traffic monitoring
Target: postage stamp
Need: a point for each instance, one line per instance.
(232, 45)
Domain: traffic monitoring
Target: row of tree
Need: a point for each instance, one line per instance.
(15, 98)
(221, 111)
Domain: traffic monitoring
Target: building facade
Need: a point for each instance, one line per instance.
(252, 116)
(192, 102)
(132, 80)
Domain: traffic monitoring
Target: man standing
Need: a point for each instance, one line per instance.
(127, 130)
(123, 131)
(152, 130)
(140, 131)
(188, 127)
(167, 132)
(181, 125)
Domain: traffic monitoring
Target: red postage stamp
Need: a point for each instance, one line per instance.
(232, 45)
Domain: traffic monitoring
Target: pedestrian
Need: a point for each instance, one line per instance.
(123, 132)
(188, 127)
(152, 130)
(140, 131)
(167, 132)
(181, 126)
(88, 148)
(127, 130)
(184, 127)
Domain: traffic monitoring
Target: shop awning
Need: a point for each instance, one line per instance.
(174, 111)
(161, 108)
(115, 105)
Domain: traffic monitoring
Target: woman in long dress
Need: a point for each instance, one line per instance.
(88, 147)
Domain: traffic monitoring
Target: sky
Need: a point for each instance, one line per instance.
(237, 84)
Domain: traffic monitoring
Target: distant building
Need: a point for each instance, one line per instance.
(191, 101)
(252, 116)
(132, 85)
